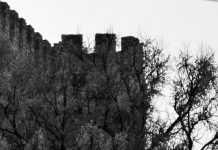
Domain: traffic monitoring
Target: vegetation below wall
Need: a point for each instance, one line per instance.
(104, 101)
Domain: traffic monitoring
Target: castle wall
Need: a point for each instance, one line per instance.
(14, 29)
(105, 43)
(4, 14)
(104, 59)
(23, 37)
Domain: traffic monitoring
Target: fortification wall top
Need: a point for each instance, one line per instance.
(23, 36)
(15, 29)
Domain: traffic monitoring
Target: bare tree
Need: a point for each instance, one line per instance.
(194, 101)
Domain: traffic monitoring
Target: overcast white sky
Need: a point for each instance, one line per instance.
(175, 21)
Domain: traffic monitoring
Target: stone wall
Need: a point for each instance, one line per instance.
(103, 62)
(23, 36)
(16, 30)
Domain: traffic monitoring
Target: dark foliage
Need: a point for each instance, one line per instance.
(84, 101)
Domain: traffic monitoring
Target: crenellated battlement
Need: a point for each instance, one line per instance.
(16, 30)
(106, 81)
(22, 36)
(104, 42)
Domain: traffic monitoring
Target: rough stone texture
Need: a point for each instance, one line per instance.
(75, 39)
(23, 37)
(129, 42)
(105, 43)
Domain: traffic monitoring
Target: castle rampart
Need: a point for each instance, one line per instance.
(15, 30)
(23, 37)
(104, 68)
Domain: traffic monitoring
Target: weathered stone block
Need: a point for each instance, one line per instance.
(129, 42)
(105, 43)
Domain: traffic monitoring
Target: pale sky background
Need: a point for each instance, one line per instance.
(176, 22)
